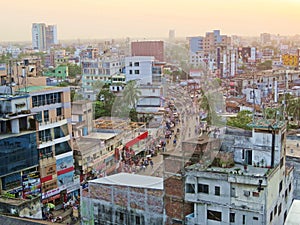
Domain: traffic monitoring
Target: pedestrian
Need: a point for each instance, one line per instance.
(174, 142)
(151, 163)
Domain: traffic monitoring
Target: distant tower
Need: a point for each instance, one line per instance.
(43, 37)
(171, 35)
(39, 36)
(51, 36)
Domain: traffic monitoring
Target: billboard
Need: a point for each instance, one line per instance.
(31, 184)
(290, 60)
(64, 161)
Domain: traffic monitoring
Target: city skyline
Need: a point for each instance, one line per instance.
(94, 19)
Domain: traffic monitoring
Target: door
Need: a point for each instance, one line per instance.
(249, 157)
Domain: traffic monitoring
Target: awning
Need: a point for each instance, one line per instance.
(137, 139)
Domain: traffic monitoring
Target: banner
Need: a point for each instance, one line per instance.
(290, 60)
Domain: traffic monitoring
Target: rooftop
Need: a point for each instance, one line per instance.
(267, 124)
(131, 180)
(31, 89)
(236, 169)
(101, 136)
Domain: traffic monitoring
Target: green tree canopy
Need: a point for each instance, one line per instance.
(242, 120)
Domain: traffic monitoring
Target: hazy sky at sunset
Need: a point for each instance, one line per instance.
(148, 18)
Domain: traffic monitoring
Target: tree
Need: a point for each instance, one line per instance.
(107, 98)
(242, 120)
(267, 65)
(131, 94)
(74, 70)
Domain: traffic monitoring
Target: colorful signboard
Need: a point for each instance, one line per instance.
(290, 60)
(31, 184)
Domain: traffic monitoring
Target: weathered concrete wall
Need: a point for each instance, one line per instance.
(126, 205)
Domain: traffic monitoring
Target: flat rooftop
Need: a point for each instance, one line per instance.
(267, 124)
(101, 135)
(131, 180)
(237, 168)
(31, 89)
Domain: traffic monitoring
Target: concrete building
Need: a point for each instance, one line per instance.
(82, 117)
(18, 146)
(148, 48)
(139, 68)
(123, 199)
(256, 190)
(43, 36)
(51, 36)
(60, 73)
(53, 108)
(39, 36)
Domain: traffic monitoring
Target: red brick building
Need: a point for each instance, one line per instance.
(148, 48)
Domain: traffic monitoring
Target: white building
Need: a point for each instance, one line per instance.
(260, 192)
(139, 68)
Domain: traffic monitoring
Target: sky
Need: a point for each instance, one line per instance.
(102, 19)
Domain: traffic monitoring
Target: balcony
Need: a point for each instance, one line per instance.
(53, 122)
(52, 142)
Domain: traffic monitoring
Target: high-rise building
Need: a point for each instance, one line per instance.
(51, 36)
(148, 48)
(39, 36)
(171, 35)
(43, 37)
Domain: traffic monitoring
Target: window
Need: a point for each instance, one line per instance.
(243, 154)
(232, 217)
(130, 63)
(58, 112)
(203, 188)
(275, 210)
(214, 215)
(130, 71)
(255, 218)
(255, 194)
(137, 220)
(280, 186)
(190, 188)
(136, 64)
(136, 72)
(217, 190)
(279, 209)
(46, 115)
(244, 219)
(290, 187)
(233, 192)
(281, 162)
(271, 216)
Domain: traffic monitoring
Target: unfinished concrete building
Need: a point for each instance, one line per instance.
(123, 198)
(257, 189)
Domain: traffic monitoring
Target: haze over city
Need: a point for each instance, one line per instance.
(88, 19)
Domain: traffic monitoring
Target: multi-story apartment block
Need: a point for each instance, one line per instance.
(39, 36)
(53, 108)
(82, 116)
(139, 68)
(148, 48)
(98, 70)
(256, 190)
(18, 146)
(51, 36)
(212, 52)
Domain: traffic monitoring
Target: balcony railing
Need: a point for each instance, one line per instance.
(52, 120)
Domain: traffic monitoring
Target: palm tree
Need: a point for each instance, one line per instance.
(131, 94)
